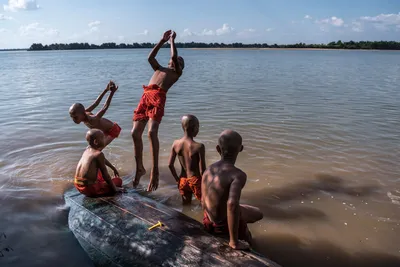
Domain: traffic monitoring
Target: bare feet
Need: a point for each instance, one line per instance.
(154, 178)
(240, 245)
(139, 173)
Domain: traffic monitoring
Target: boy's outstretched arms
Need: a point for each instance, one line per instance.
(98, 100)
(103, 110)
(152, 56)
(174, 55)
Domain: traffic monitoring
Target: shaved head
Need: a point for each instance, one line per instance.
(190, 124)
(77, 108)
(95, 138)
(230, 142)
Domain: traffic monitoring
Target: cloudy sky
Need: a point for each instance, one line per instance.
(23, 22)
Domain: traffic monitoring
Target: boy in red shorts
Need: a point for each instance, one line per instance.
(151, 107)
(192, 159)
(91, 176)
(79, 114)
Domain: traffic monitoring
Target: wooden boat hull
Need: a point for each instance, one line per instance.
(114, 232)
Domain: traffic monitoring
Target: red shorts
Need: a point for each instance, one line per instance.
(152, 104)
(221, 228)
(100, 188)
(189, 186)
(114, 131)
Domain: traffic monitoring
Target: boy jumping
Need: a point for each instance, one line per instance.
(192, 159)
(151, 107)
(79, 114)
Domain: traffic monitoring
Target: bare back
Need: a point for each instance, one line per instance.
(87, 167)
(188, 152)
(164, 78)
(215, 188)
(95, 122)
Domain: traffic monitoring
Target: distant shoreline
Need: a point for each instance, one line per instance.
(339, 45)
(278, 48)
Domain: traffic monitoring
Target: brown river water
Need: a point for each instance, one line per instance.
(320, 133)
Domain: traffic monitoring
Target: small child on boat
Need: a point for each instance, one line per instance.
(222, 186)
(79, 114)
(91, 176)
(191, 156)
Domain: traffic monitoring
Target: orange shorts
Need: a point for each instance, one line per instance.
(221, 228)
(100, 188)
(189, 186)
(114, 131)
(152, 104)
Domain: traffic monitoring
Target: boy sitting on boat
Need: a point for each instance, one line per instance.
(191, 155)
(79, 114)
(91, 176)
(222, 185)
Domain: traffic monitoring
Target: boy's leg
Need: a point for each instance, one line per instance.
(137, 132)
(250, 214)
(154, 147)
(108, 140)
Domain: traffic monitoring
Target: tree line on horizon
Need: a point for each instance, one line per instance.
(379, 45)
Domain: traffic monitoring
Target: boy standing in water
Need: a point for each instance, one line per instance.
(151, 107)
(91, 176)
(221, 187)
(192, 159)
(79, 114)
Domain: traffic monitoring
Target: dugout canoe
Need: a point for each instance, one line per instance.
(114, 232)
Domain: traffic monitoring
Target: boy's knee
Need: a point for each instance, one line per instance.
(152, 133)
(259, 216)
(136, 134)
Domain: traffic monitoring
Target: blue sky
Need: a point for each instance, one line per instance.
(23, 22)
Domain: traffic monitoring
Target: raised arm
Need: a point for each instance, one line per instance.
(152, 56)
(101, 159)
(174, 55)
(233, 210)
(98, 100)
(202, 162)
(171, 164)
(108, 102)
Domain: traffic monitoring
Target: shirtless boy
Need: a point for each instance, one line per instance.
(79, 114)
(192, 159)
(91, 176)
(222, 185)
(151, 107)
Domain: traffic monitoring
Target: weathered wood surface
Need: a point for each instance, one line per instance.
(114, 232)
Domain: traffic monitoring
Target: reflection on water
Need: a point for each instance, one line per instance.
(320, 129)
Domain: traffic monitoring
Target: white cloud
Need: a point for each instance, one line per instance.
(269, 29)
(35, 29)
(94, 23)
(187, 32)
(334, 21)
(224, 30)
(307, 17)
(206, 32)
(94, 29)
(357, 26)
(4, 17)
(16, 5)
(388, 19)
(145, 33)
(3, 30)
